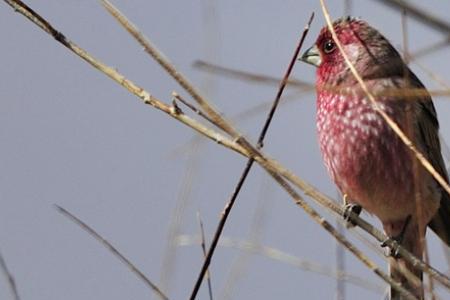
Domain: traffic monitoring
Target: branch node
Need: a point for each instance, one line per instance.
(175, 109)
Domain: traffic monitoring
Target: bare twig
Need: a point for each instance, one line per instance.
(10, 278)
(170, 69)
(219, 229)
(307, 87)
(248, 76)
(203, 245)
(340, 264)
(113, 250)
(347, 244)
(177, 97)
(286, 258)
(240, 264)
(184, 197)
(112, 73)
(237, 118)
(430, 289)
(363, 224)
(438, 79)
(248, 167)
(419, 14)
(426, 50)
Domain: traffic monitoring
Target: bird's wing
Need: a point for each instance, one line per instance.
(428, 137)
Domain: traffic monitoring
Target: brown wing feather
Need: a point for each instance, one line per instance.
(428, 134)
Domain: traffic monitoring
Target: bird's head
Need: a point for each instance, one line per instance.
(366, 48)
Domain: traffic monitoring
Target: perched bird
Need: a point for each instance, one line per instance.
(365, 158)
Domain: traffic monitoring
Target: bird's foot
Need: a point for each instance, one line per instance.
(393, 243)
(350, 208)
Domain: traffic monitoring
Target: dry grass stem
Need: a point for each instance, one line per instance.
(239, 265)
(11, 282)
(344, 241)
(170, 69)
(306, 87)
(239, 117)
(248, 76)
(430, 288)
(286, 258)
(249, 164)
(219, 229)
(420, 15)
(370, 229)
(435, 77)
(177, 97)
(113, 250)
(184, 198)
(112, 73)
(429, 49)
(339, 252)
(203, 245)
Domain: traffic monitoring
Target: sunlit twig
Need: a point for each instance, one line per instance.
(113, 250)
(11, 282)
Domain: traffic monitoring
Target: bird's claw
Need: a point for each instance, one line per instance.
(350, 208)
(393, 249)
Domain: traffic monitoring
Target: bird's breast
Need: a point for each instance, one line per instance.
(363, 155)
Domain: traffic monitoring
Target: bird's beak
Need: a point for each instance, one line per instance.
(312, 56)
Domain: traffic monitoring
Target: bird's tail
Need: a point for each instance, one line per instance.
(440, 223)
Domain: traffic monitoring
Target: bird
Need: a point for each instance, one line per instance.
(371, 166)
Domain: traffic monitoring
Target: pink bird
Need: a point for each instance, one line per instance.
(365, 158)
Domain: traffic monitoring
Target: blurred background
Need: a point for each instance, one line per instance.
(71, 136)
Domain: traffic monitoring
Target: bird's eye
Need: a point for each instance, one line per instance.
(329, 46)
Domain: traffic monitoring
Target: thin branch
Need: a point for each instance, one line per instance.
(170, 69)
(286, 258)
(184, 197)
(177, 97)
(344, 241)
(112, 73)
(306, 87)
(419, 14)
(438, 79)
(10, 278)
(430, 289)
(203, 245)
(237, 118)
(426, 50)
(248, 76)
(113, 250)
(326, 202)
(240, 264)
(340, 264)
(224, 215)
(249, 165)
